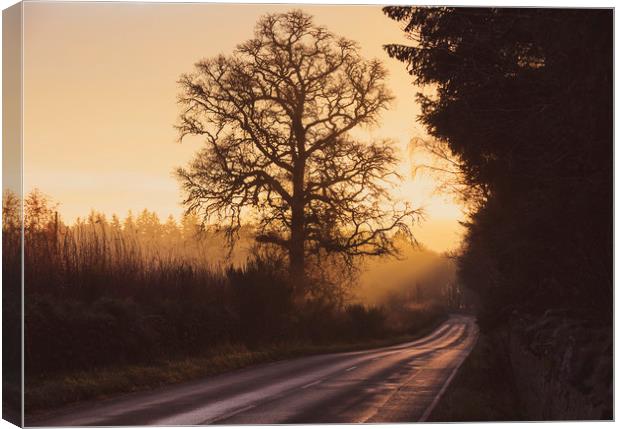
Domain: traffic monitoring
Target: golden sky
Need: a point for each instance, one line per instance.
(100, 100)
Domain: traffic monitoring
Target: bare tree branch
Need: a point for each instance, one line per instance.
(275, 116)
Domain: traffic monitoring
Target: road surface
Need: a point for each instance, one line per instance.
(393, 384)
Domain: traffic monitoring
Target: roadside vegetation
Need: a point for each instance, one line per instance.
(483, 389)
(118, 306)
(527, 137)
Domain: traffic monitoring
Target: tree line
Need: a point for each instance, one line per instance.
(142, 235)
(521, 102)
(104, 292)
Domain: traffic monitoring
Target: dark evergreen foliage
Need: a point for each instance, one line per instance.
(524, 101)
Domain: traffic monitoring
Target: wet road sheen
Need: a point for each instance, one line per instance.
(393, 384)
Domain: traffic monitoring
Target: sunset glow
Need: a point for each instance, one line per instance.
(100, 101)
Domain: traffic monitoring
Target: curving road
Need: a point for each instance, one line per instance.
(393, 384)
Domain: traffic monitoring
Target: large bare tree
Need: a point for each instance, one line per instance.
(276, 116)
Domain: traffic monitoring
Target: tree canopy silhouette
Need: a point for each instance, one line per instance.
(523, 98)
(276, 115)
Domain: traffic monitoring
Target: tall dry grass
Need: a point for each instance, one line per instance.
(105, 293)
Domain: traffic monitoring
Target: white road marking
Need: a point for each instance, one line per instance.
(350, 369)
(311, 384)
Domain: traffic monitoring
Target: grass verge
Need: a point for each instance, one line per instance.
(46, 393)
(482, 390)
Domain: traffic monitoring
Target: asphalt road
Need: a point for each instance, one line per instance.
(393, 384)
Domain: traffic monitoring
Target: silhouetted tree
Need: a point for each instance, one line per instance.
(523, 99)
(276, 115)
(10, 211)
(39, 211)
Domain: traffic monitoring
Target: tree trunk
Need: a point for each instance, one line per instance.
(297, 263)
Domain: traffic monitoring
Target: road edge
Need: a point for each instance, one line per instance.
(431, 407)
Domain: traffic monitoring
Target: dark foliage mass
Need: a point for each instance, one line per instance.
(524, 102)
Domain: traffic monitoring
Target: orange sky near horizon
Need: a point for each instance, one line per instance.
(100, 101)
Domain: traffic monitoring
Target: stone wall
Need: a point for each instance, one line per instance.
(562, 365)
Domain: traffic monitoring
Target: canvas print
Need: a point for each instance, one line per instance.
(294, 213)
